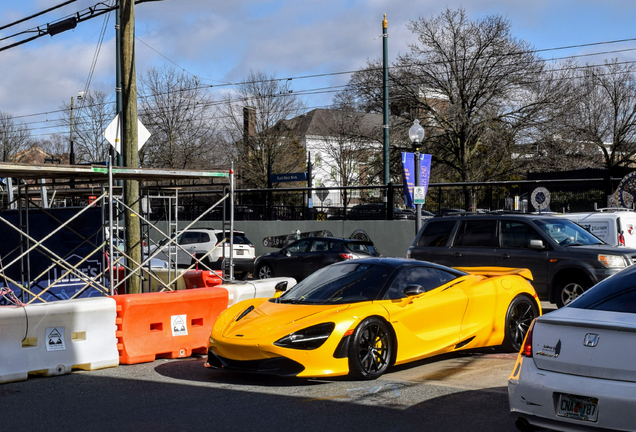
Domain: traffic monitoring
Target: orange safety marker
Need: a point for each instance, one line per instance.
(202, 278)
(166, 324)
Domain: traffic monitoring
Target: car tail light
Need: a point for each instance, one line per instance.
(346, 256)
(621, 239)
(526, 348)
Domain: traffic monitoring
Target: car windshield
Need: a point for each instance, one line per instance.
(342, 283)
(567, 233)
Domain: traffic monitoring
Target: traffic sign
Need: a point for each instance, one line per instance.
(419, 194)
(112, 133)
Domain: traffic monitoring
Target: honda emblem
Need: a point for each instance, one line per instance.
(591, 340)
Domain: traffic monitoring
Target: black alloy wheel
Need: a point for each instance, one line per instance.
(521, 312)
(265, 271)
(370, 349)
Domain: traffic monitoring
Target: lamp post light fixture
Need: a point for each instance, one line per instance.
(416, 134)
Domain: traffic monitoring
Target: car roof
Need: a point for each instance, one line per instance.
(338, 239)
(214, 230)
(401, 262)
(494, 216)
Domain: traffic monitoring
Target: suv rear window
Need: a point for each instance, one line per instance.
(436, 233)
(238, 239)
(361, 248)
(477, 233)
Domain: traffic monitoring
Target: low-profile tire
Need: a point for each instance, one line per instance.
(265, 271)
(370, 349)
(521, 311)
(570, 289)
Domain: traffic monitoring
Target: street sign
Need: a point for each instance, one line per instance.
(419, 194)
(322, 194)
(112, 133)
(280, 178)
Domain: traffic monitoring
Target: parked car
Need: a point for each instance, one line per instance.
(371, 211)
(197, 242)
(576, 370)
(616, 227)
(303, 257)
(360, 317)
(565, 260)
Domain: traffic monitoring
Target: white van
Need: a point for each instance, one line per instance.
(615, 226)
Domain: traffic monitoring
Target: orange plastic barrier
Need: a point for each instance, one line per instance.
(202, 278)
(119, 273)
(166, 324)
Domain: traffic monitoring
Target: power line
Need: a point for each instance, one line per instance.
(37, 14)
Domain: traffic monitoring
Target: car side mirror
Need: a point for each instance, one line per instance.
(281, 286)
(287, 253)
(413, 290)
(537, 244)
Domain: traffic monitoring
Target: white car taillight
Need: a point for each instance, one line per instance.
(526, 348)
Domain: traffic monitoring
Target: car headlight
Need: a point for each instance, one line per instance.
(307, 339)
(612, 261)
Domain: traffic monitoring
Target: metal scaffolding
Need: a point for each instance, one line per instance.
(42, 189)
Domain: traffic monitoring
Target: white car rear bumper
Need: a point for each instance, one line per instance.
(533, 394)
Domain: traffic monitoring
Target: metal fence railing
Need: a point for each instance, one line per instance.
(368, 202)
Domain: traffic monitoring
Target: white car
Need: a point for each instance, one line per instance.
(576, 370)
(199, 241)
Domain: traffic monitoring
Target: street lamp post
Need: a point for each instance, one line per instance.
(416, 134)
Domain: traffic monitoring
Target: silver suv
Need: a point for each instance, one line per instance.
(197, 242)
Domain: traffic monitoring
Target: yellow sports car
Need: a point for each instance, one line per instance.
(359, 317)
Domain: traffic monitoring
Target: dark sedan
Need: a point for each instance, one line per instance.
(305, 256)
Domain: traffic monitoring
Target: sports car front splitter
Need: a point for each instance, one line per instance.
(276, 366)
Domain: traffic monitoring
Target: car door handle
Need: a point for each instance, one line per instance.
(504, 256)
(457, 254)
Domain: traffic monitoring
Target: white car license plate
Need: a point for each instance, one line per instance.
(578, 407)
(239, 252)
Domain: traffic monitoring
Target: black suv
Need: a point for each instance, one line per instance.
(565, 259)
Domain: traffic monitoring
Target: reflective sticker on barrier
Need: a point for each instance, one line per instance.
(179, 327)
(55, 339)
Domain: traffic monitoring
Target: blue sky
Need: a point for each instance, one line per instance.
(220, 41)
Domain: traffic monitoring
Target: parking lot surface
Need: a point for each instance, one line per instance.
(460, 392)
(464, 391)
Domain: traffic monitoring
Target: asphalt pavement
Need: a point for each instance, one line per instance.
(459, 392)
(464, 391)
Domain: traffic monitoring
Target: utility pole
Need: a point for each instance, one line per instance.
(385, 109)
(130, 139)
(385, 98)
(71, 153)
(117, 158)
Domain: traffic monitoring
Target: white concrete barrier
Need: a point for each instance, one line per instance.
(167, 276)
(54, 338)
(260, 288)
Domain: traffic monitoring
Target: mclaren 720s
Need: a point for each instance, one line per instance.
(360, 317)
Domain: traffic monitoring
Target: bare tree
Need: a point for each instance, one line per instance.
(347, 142)
(177, 112)
(477, 89)
(55, 144)
(91, 115)
(270, 142)
(14, 136)
(603, 114)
